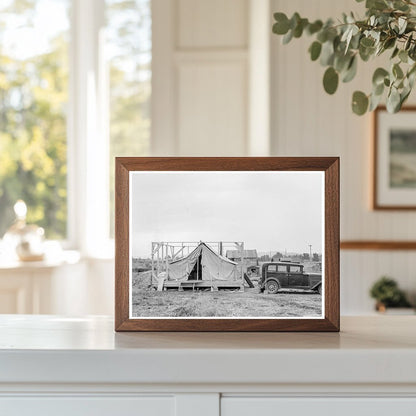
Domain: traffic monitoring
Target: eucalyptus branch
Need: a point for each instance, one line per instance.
(388, 25)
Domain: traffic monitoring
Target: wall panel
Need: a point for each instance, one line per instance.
(212, 24)
(212, 108)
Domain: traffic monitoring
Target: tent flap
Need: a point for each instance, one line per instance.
(214, 266)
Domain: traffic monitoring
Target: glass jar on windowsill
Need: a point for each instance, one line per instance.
(24, 241)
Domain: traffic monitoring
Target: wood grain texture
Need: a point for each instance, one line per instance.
(330, 165)
(378, 245)
(376, 204)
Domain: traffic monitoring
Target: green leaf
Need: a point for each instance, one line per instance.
(376, 4)
(359, 103)
(402, 24)
(281, 27)
(397, 71)
(395, 52)
(314, 27)
(403, 56)
(288, 37)
(327, 53)
(379, 75)
(393, 101)
(330, 80)
(315, 50)
(367, 42)
(351, 71)
(389, 43)
(374, 102)
(341, 61)
(408, 42)
(378, 89)
(298, 30)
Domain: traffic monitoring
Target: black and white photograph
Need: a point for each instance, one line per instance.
(226, 244)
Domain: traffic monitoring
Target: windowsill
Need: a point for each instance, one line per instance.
(63, 258)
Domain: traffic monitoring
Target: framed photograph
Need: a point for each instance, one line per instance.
(394, 180)
(227, 244)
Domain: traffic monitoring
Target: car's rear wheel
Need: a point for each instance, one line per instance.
(272, 286)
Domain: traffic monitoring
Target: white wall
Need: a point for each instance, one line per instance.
(308, 122)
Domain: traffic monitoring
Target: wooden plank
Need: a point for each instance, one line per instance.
(378, 245)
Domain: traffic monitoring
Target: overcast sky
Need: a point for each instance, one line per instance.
(268, 211)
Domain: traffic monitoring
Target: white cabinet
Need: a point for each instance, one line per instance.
(80, 367)
(88, 406)
(272, 406)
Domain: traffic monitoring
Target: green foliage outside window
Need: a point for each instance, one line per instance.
(33, 99)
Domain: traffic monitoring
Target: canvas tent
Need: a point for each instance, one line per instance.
(203, 263)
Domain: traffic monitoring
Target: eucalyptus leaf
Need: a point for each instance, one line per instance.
(395, 52)
(374, 102)
(359, 103)
(330, 80)
(351, 71)
(378, 89)
(379, 75)
(402, 22)
(288, 37)
(403, 56)
(397, 71)
(314, 27)
(327, 54)
(281, 27)
(408, 42)
(315, 50)
(393, 101)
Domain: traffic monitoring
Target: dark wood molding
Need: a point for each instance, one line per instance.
(378, 245)
(329, 165)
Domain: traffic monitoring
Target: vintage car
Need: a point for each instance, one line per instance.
(288, 275)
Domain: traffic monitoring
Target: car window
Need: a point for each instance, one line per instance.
(272, 268)
(282, 269)
(295, 269)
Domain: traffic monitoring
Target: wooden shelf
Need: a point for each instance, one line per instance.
(378, 245)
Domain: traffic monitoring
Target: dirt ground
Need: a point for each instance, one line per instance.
(148, 302)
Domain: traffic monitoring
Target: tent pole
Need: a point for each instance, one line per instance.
(153, 265)
(157, 264)
(242, 265)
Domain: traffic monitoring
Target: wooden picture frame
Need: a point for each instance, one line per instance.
(127, 167)
(390, 191)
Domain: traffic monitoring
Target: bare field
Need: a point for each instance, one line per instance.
(148, 302)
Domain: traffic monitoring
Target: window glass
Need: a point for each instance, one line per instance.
(295, 269)
(282, 269)
(129, 53)
(272, 268)
(33, 102)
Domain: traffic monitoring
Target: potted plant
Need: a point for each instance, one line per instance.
(387, 294)
(389, 27)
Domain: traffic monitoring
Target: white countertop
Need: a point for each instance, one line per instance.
(53, 349)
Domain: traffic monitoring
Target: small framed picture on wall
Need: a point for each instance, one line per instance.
(394, 159)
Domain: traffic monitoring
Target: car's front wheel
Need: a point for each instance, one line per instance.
(272, 286)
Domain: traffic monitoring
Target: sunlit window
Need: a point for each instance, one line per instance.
(33, 103)
(129, 56)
